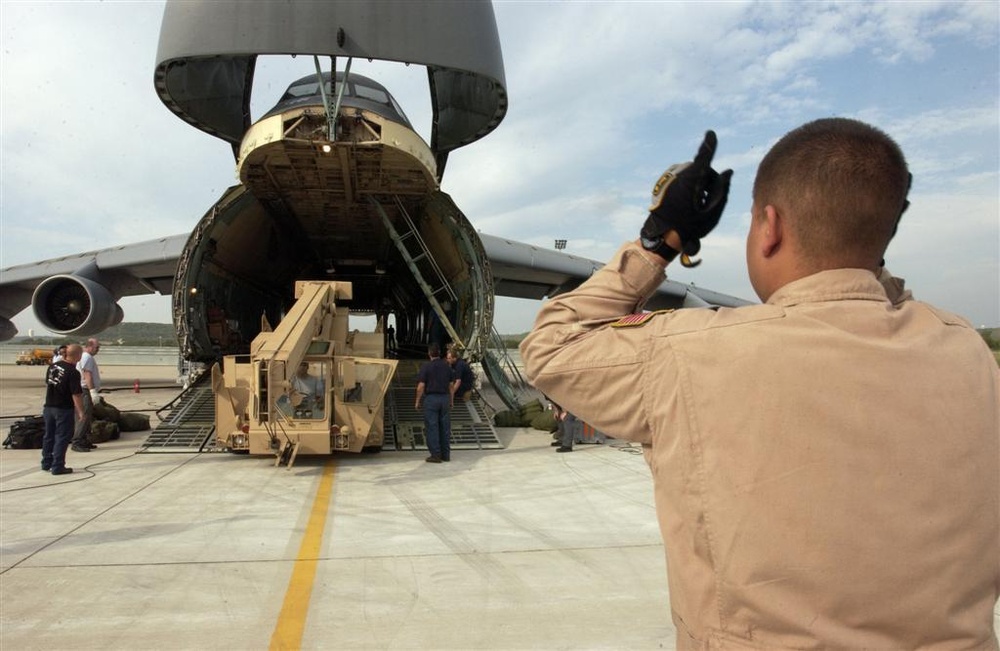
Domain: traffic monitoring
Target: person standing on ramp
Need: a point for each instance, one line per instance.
(435, 386)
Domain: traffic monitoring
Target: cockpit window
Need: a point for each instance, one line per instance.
(378, 95)
(366, 94)
(374, 94)
(309, 88)
(399, 109)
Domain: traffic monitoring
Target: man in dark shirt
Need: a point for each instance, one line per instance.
(463, 372)
(435, 385)
(63, 395)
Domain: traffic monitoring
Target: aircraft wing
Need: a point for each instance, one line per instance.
(525, 271)
(130, 270)
(519, 270)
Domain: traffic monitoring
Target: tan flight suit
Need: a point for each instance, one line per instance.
(825, 465)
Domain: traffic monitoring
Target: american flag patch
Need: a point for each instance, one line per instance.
(635, 320)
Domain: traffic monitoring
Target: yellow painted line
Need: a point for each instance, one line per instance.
(292, 619)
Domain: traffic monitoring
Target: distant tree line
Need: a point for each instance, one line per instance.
(123, 334)
(513, 341)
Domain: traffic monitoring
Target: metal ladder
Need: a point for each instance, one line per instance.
(507, 380)
(441, 286)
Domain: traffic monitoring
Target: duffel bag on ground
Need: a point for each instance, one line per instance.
(102, 431)
(130, 421)
(26, 434)
(104, 410)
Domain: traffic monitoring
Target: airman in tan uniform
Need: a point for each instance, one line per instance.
(826, 465)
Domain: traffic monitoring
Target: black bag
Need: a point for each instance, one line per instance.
(26, 434)
(130, 421)
(102, 431)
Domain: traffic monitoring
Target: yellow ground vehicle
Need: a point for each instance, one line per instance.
(36, 357)
(310, 386)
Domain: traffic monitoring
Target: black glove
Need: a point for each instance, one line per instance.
(688, 198)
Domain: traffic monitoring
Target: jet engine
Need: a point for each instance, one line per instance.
(71, 304)
(7, 329)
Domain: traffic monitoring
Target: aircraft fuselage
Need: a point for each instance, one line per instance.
(362, 206)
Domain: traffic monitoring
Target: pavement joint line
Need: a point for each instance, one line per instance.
(292, 618)
(361, 557)
(76, 476)
(95, 516)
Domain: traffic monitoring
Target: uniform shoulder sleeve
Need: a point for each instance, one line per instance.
(696, 320)
(947, 317)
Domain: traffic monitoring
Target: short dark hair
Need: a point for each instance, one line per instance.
(434, 350)
(841, 183)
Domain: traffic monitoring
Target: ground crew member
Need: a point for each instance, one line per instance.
(390, 339)
(90, 377)
(466, 378)
(62, 399)
(825, 465)
(566, 423)
(436, 384)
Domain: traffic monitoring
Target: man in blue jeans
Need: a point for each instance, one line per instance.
(63, 395)
(436, 383)
(463, 373)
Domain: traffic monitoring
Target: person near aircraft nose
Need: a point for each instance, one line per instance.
(90, 376)
(826, 464)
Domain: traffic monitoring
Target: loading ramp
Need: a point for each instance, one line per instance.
(471, 424)
(189, 425)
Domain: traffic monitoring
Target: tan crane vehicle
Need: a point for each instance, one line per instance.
(309, 386)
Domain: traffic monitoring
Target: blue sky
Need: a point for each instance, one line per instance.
(603, 97)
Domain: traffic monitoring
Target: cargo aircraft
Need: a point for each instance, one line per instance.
(335, 184)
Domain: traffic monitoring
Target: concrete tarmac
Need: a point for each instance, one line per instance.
(519, 548)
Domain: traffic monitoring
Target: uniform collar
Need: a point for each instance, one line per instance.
(831, 285)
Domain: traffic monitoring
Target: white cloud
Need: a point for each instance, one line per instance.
(603, 97)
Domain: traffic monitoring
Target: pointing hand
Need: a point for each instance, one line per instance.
(689, 199)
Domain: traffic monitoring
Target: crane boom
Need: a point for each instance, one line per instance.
(310, 386)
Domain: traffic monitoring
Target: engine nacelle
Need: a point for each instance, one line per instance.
(73, 305)
(7, 329)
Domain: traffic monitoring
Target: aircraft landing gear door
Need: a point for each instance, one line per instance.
(359, 398)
